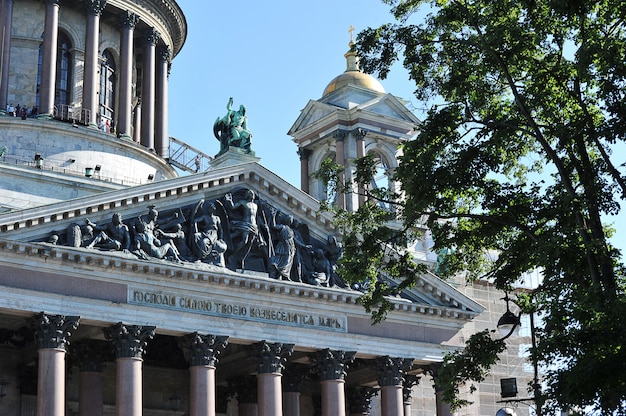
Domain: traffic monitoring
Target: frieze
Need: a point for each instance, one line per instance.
(237, 230)
(238, 310)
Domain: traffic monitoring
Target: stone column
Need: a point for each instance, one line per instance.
(331, 366)
(5, 63)
(390, 377)
(443, 408)
(51, 335)
(304, 169)
(151, 37)
(340, 159)
(162, 139)
(49, 59)
(407, 389)
(270, 363)
(201, 351)
(91, 72)
(137, 133)
(130, 342)
(292, 377)
(360, 400)
(360, 152)
(124, 114)
(90, 355)
(246, 391)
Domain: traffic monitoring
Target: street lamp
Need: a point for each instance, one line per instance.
(509, 324)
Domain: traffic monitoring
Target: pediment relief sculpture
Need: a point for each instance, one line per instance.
(236, 230)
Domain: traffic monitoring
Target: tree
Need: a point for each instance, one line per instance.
(515, 156)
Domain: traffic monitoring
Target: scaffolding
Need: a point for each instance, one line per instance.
(188, 158)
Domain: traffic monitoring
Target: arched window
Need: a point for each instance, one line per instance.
(108, 85)
(381, 176)
(63, 88)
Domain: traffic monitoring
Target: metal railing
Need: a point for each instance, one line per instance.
(188, 158)
(73, 114)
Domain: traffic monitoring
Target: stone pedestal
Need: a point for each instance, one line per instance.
(234, 156)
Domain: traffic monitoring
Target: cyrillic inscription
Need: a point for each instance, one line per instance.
(208, 306)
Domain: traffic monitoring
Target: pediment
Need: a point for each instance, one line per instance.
(313, 112)
(185, 206)
(389, 106)
(381, 109)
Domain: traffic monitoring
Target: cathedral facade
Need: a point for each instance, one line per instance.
(130, 290)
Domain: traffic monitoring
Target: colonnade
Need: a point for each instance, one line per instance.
(151, 131)
(271, 397)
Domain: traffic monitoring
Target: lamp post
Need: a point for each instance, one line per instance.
(509, 324)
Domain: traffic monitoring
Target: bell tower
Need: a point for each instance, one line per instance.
(355, 116)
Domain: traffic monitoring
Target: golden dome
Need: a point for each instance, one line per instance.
(354, 76)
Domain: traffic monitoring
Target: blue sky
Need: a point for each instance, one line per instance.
(272, 56)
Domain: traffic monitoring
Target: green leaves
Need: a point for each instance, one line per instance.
(512, 170)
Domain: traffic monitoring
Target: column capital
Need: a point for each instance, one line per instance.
(339, 135)
(271, 357)
(332, 364)
(129, 19)
(409, 381)
(90, 354)
(360, 399)
(53, 331)
(359, 133)
(202, 350)
(52, 2)
(95, 7)
(293, 374)
(304, 154)
(129, 340)
(164, 53)
(151, 35)
(391, 370)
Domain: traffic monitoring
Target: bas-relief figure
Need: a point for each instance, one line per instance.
(237, 230)
(232, 129)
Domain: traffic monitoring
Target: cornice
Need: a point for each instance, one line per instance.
(56, 258)
(251, 174)
(165, 16)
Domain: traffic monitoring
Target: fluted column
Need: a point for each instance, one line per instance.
(292, 378)
(125, 108)
(130, 342)
(390, 376)
(151, 37)
(340, 159)
(407, 389)
(201, 351)
(304, 169)
(51, 334)
(91, 73)
(331, 366)
(270, 363)
(162, 139)
(90, 355)
(7, 30)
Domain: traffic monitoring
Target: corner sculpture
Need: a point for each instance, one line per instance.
(237, 230)
(232, 129)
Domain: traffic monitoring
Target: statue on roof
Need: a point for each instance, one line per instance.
(232, 129)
